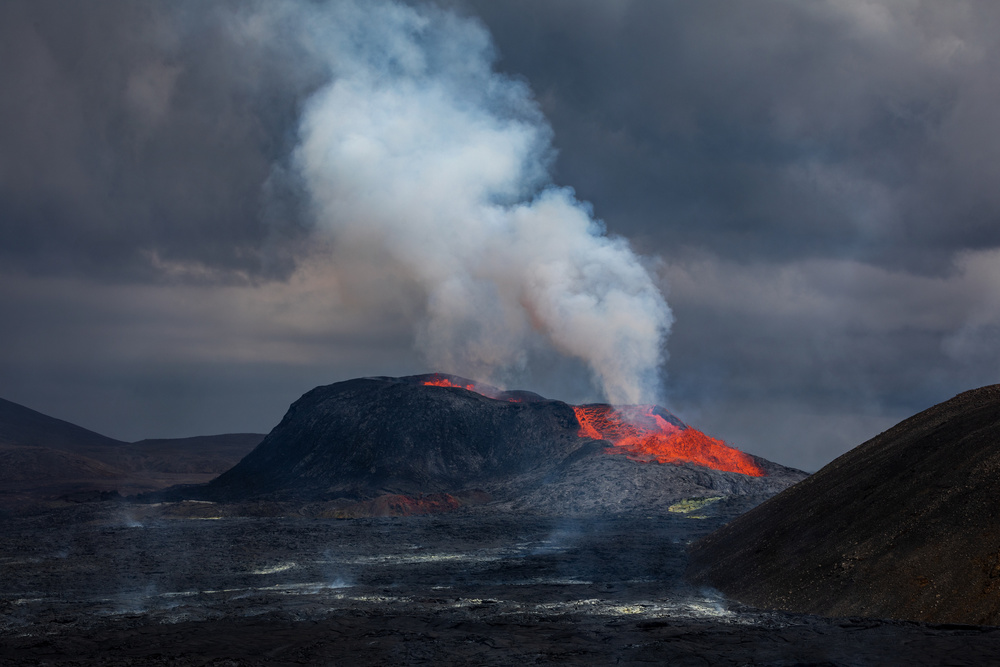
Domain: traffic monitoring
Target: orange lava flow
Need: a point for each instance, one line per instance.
(644, 435)
(445, 382)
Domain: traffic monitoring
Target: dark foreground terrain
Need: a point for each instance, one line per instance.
(120, 584)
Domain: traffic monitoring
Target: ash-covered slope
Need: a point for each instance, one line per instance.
(903, 526)
(435, 433)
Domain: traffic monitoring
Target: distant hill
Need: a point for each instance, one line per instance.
(23, 426)
(44, 457)
(211, 454)
(903, 526)
(371, 437)
(21, 466)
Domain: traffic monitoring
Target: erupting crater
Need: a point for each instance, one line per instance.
(644, 433)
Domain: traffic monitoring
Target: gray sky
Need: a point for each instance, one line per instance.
(813, 186)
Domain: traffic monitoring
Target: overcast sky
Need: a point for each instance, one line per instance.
(813, 186)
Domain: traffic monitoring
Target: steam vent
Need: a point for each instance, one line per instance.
(903, 526)
(444, 435)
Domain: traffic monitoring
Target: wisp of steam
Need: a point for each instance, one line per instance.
(418, 153)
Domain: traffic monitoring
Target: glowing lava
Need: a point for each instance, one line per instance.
(482, 390)
(445, 382)
(644, 435)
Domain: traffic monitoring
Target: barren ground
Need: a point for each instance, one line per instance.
(120, 584)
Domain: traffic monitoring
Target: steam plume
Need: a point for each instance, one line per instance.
(418, 148)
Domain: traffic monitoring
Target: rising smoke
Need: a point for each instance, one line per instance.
(418, 154)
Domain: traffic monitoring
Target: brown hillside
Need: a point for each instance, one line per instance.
(903, 526)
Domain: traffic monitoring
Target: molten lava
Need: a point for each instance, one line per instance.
(445, 382)
(482, 390)
(644, 435)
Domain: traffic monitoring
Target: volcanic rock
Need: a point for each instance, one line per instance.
(902, 527)
(434, 434)
(372, 436)
(399, 505)
(597, 481)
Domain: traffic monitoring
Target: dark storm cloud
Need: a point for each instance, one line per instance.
(772, 129)
(138, 133)
(134, 136)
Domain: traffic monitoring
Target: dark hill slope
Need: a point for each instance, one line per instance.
(23, 426)
(367, 437)
(200, 454)
(903, 526)
(44, 457)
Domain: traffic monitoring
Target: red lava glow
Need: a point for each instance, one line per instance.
(645, 436)
(445, 382)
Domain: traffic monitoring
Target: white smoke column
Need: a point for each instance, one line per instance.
(419, 148)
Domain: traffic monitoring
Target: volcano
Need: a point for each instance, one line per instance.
(433, 434)
(902, 527)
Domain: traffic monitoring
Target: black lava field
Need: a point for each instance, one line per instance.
(119, 584)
